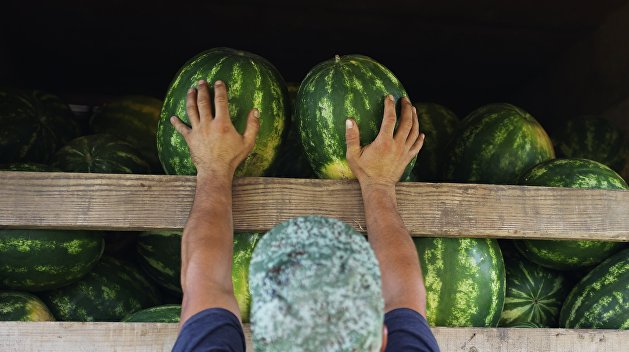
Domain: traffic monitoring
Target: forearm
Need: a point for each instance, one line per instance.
(402, 283)
(207, 246)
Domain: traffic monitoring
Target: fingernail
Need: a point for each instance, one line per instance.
(256, 113)
(218, 83)
(423, 136)
(414, 110)
(191, 90)
(349, 123)
(172, 118)
(392, 98)
(201, 82)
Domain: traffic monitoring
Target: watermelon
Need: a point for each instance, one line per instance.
(22, 306)
(601, 299)
(34, 125)
(464, 279)
(252, 82)
(33, 167)
(100, 153)
(291, 160)
(593, 138)
(133, 119)
(439, 124)
(348, 86)
(495, 144)
(37, 260)
(169, 313)
(160, 257)
(574, 173)
(111, 291)
(534, 294)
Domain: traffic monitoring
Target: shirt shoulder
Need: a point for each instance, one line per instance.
(408, 331)
(212, 329)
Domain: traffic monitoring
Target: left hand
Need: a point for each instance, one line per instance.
(216, 148)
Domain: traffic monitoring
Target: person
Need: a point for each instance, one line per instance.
(210, 314)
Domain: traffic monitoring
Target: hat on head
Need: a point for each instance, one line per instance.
(315, 286)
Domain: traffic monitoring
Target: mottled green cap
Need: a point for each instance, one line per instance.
(316, 286)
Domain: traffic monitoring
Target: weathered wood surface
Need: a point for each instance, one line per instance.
(140, 202)
(69, 337)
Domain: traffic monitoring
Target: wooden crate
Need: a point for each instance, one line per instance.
(143, 202)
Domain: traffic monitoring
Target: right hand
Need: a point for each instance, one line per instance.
(382, 162)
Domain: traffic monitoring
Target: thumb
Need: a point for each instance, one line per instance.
(180, 126)
(352, 138)
(253, 126)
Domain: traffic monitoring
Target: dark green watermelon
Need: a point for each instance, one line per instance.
(34, 167)
(495, 144)
(601, 299)
(34, 125)
(346, 86)
(133, 119)
(534, 294)
(37, 260)
(22, 306)
(573, 173)
(160, 257)
(593, 138)
(439, 124)
(464, 279)
(252, 82)
(100, 153)
(169, 313)
(111, 291)
(527, 325)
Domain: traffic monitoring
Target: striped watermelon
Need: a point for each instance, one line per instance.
(528, 324)
(601, 299)
(37, 260)
(34, 125)
(439, 124)
(593, 138)
(100, 153)
(111, 291)
(534, 294)
(168, 313)
(252, 82)
(465, 280)
(495, 144)
(349, 86)
(574, 173)
(22, 306)
(34, 167)
(160, 257)
(133, 119)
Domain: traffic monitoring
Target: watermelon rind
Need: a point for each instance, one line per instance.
(23, 306)
(168, 313)
(38, 260)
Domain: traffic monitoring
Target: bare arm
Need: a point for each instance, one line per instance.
(378, 167)
(216, 149)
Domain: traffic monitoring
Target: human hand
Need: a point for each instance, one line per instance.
(382, 162)
(216, 148)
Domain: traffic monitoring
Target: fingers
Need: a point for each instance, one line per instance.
(388, 120)
(406, 121)
(352, 139)
(203, 101)
(412, 137)
(418, 144)
(191, 107)
(220, 100)
(251, 131)
(180, 126)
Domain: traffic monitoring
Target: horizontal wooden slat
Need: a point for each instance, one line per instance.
(69, 337)
(140, 202)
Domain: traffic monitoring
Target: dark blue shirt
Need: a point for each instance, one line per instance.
(217, 329)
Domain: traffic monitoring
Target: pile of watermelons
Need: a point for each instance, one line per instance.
(63, 275)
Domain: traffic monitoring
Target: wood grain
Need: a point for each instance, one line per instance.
(69, 337)
(142, 202)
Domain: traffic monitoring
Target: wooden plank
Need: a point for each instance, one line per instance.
(69, 337)
(142, 202)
